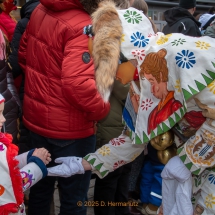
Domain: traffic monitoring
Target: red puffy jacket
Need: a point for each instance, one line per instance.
(61, 100)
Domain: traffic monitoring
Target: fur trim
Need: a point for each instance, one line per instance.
(106, 46)
(90, 5)
(12, 151)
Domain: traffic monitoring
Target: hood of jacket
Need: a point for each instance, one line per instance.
(175, 14)
(59, 5)
(28, 8)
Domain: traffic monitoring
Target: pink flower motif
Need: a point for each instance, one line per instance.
(150, 35)
(139, 54)
(118, 164)
(117, 141)
(1, 147)
(146, 104)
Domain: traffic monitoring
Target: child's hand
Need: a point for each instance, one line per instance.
(43, 154)
(160, 210)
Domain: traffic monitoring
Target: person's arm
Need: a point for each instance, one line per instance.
(189, 28)
(78, 83)
(22, 50)
(118, 152)
(13, 57)
(35, 169)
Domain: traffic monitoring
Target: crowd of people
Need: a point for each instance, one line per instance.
(91, 87)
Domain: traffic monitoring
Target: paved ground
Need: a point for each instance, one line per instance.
(90, 210)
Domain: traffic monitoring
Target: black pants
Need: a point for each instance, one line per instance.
(112, 188)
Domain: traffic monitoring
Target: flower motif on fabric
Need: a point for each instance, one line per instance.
(27, 179)
(146, 104)
(151, 35)
(202, 45)
(209, 200)
(211, 178)
(104, 150)
(123, 38)
(139, 40)
(118, 164)
(2, 189)
(211, 86)
(185, 59)
(138, 54)
(1, 147)
(132, 17)
(178, 85)
(180, 41)
(163, 39)
(117, 141)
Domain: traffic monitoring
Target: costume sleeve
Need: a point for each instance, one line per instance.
(23, 158)
(118, 152)
(32, 172)
(78, 82)
(198, 153)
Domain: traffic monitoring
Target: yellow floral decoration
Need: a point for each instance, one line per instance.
(209, 201)
(123, 38)
(211, 86)
(163, 39)
(202, 45)
(104, 150)
(178, 85)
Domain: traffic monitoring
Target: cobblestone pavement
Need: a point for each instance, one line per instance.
(90, 210)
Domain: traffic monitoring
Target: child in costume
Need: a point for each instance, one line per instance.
(18, 172)
(185, 90)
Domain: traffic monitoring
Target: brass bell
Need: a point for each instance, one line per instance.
(165, 155)
(162, 141)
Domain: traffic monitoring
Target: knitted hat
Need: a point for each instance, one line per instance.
(187, 4)
(1, 99)
(206, 20)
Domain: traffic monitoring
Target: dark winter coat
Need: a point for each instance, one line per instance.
(179, 20)
(25, 14)
(11, 109)
(112, 125)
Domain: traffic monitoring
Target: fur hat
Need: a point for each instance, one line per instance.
(206, 20)
(1, 99)
(187, 4)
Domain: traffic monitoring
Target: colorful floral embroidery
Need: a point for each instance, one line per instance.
(104, 150)
(139, 40)
(211, 178)
(117, 141)
(178, 42)
(118, 164)
(27, 179)
(146, 104)
(209, 201)
(185, 59)
(202, 45)
(1, 147)
(132, 17)
(211, 86)
(123, 38)
(163, 39)
(178, 85)
(139, 54)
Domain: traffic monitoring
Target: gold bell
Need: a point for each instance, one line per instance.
(162, 141)
(165, 155)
